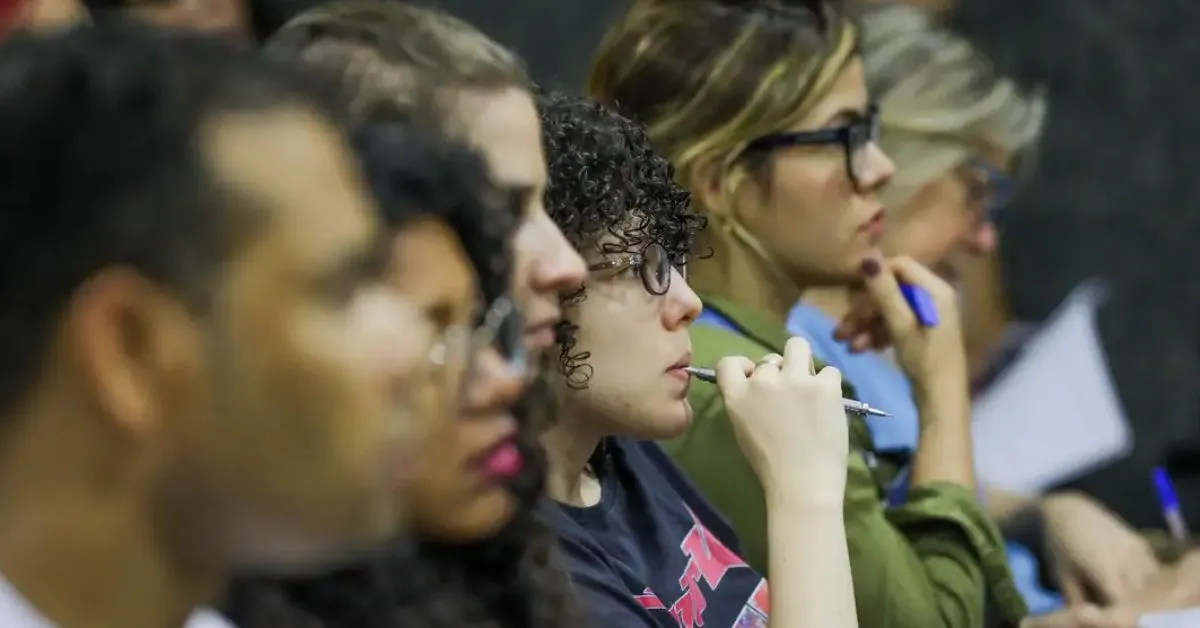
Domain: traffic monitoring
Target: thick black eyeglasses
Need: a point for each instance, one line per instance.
(653, 265)
(855, 137)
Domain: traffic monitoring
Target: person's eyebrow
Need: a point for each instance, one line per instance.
(847, 115)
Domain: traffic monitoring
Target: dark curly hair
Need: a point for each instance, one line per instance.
(508, 580)
(606, 180)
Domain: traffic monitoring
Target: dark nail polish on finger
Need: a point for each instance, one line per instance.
(870, 267)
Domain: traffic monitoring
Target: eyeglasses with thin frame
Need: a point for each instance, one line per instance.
(653, 266)
(457, 350)
(855, 137)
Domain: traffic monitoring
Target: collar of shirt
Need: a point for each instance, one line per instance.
(17, 612)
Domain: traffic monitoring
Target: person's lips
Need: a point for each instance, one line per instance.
(677, 368)
(541, 335)
(874, 227)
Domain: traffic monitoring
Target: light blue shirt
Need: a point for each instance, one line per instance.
(876, 380)
(881, 384)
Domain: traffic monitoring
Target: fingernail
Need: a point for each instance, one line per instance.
(870, 267)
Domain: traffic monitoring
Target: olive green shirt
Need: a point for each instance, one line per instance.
(936, 561)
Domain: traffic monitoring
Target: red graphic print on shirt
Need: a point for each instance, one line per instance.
(709, 561)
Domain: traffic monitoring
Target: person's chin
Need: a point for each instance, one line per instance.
(947, 271)
(484, 516)
(673, 421)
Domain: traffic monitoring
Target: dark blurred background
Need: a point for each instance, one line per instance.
(556, 37)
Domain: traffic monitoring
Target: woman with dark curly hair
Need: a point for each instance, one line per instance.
(643, 548)
(430, 188)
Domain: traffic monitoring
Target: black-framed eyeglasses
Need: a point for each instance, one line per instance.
(653, 265)
(988, 187)
(456, 352)
(855, 138)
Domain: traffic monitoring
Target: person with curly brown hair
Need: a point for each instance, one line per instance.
(642, 546)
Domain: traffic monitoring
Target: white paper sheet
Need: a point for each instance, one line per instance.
(1053, 414)
(1189, 618)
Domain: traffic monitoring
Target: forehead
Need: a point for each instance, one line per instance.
(503, 125)
(847, 92)
(297, 169)
(428, 264)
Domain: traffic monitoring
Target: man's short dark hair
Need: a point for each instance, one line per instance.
(99, 150)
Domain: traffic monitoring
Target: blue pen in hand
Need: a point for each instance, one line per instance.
(1169, 502)
(921, 304)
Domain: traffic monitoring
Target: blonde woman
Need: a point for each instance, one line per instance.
(957, 132)
(763, 110)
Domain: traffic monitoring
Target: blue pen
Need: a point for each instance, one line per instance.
(1169, 502)
(921, 304)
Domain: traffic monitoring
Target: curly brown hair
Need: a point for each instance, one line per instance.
(606, 180)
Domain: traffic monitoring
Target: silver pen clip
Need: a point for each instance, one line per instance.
(857, 407)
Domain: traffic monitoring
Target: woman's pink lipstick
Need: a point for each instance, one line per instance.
(504, 462)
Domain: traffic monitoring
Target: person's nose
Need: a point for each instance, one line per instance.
(556, 266)
(683, 304)
(879, 171)
(982, 239)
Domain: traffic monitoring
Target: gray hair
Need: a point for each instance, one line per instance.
(940, 98)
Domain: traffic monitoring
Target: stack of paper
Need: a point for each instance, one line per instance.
(1053, 414)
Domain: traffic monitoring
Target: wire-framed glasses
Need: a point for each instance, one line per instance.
(653, 266)
(456, 352)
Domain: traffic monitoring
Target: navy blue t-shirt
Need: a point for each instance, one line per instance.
(654, 553)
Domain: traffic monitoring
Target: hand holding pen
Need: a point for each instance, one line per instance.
(910, 308)
(1172, 514)
(789, 422)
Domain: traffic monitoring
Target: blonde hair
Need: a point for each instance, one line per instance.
(709, 76)
(941, 100)
(389, 56)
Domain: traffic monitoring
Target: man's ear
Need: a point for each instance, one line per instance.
(126, 335)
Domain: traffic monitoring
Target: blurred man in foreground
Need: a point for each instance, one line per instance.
(199, 364)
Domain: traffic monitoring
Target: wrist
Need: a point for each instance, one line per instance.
(807, 489)
(943, 398)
